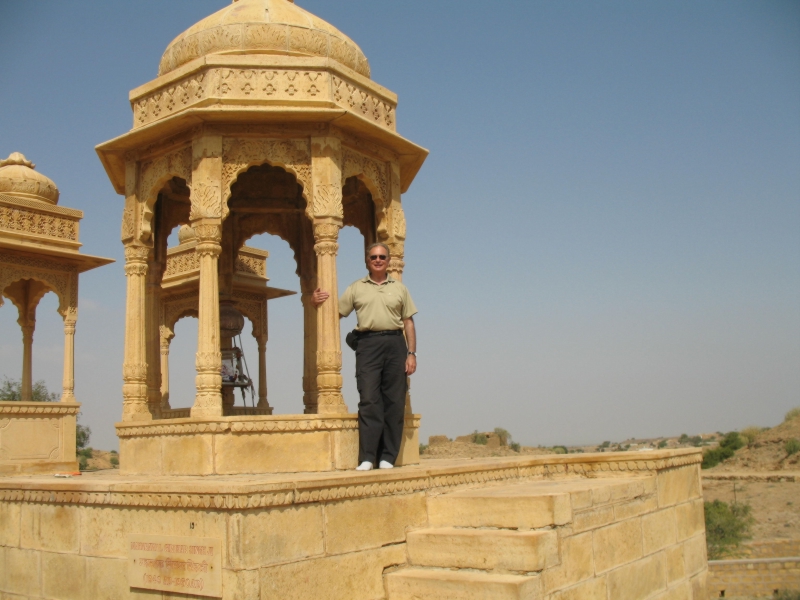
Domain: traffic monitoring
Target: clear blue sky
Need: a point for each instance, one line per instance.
(603, 243)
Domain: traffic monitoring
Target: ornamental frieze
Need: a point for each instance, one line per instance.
(39, 223)
(279, 85)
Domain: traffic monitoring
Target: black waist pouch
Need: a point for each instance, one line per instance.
(351, 339)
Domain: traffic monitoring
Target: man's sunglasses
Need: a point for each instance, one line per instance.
(378, 256)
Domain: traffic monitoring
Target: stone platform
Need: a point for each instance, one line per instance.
(249, 444)
(611, 526)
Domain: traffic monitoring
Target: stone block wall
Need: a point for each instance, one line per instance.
(759, 578)
(336, 536)
(641, 540)
(771, 549)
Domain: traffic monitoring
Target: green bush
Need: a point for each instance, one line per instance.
(560, 449)
(11, 391)
(423, 448)
(114, 460)
(792, 414)
(727, 526)
(86, 452)
(83, 463)
(514, 446)
(792, 446)
(684, 439)
(662, 444)
(727, 447)
(787, 595)
(479, 438)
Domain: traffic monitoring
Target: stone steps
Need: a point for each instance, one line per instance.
(510, 507)
(486, 549)
(486, 543)
(418, 584)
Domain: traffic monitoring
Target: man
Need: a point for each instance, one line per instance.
(384, 310)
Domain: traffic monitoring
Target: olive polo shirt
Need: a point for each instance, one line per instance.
(379, 307)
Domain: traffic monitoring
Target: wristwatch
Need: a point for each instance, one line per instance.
(414, 354)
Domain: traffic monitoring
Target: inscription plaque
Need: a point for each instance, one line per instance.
(189, 565)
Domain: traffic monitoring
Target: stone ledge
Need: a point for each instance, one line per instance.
(257, 491)
(39, 408)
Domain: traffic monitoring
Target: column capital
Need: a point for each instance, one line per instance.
(136, 254)
(327, 231)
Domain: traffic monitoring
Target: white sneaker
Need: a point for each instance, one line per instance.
(385, 465)
(364, 466)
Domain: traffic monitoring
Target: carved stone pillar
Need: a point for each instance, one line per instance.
(329, 348)
(310, 393)
(308, 283)
(328, 213)
(208, 402)
(164, 352)
(134, 368)
(261, 340)
(153, 337)
(27, 361)
(68, 385)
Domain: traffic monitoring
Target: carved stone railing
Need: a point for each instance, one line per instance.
(33, 219)
(183, 263)
(252, 262)
(320, 86)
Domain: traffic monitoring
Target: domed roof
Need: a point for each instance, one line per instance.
(186, 234)
(18, 179)
(263, 27)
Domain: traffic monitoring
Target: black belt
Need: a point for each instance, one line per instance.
(366, 334)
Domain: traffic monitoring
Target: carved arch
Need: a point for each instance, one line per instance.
(152, 178)
(370, 171)
(240, 154)
(62, 282)
(175, 308)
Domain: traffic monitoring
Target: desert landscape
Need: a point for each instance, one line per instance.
(761, 473)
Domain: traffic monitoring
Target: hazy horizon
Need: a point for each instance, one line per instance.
(604, 242)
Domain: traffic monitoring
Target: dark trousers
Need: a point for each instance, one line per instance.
(381, 380)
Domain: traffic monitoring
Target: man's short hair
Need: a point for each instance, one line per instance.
(382, 245)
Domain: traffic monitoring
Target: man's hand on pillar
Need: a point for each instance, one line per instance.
(319, 296)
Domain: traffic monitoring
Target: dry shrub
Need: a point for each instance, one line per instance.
(749, 434)
(792, 414)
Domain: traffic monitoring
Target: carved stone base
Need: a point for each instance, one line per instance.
(37, 437)
(249, 444)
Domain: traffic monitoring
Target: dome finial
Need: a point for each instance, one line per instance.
(17, 158)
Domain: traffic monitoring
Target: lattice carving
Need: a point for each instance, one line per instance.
(184, 262)
(264, 84)
(40, 223)
(251, 265)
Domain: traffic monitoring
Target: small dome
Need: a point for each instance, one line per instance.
(186, 234)
(263, 27)
(18, 179)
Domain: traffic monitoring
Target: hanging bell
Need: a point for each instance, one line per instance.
(231, 321)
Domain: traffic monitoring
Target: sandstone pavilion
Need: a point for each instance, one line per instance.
(39, 253)
(264, 118)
